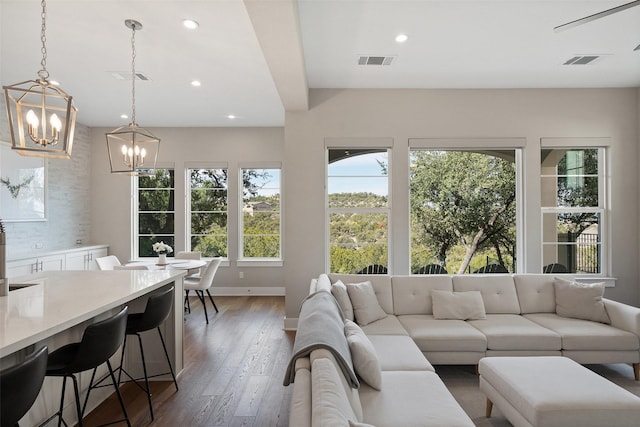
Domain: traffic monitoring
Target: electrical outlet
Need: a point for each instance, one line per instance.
(78, 241)
(241, 274)
(39, 245)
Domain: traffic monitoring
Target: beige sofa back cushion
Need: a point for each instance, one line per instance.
(381, 285)
(498, 291)
(412, 294)
(329, 403)
(535, 293)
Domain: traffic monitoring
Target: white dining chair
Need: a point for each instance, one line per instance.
(190, 255)
(107, 262)
(201, 285)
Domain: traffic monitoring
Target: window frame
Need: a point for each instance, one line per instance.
(188, 167)
(602, 209)
(244, 261)
(135, 211)
(382, 144)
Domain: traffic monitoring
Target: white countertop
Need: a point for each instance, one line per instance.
(62, 299)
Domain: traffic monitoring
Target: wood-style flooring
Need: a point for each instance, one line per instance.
(234, 368)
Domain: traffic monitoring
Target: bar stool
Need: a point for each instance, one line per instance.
(99, 342)
(155, 313)
(20, 385)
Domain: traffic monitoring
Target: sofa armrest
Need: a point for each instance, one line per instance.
(300, 412)
(623, 316)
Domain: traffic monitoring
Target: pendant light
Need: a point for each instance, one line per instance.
(132, 149)
(42, 117)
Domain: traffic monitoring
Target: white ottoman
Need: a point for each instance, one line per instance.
(554, 391)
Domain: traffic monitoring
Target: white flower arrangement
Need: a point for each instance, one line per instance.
(162, 248)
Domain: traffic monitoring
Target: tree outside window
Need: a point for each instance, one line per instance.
(156, 211)
(463, 210)
(260, 219)
(207, 211)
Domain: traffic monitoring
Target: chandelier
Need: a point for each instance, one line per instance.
(42, 116)
(132, 149)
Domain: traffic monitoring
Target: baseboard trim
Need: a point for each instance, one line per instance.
(237, 291)
(290, 323)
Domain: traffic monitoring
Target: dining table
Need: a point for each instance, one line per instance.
(191, 266)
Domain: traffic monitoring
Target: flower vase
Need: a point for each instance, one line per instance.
(162, 259)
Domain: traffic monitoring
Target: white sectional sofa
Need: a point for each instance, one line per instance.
(520, 319)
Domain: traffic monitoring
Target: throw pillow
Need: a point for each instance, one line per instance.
(458, 305)
(366, 308)
(580, 300)
(339, 292)
(363, 354)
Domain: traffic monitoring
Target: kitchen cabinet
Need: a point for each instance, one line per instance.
(80, 259)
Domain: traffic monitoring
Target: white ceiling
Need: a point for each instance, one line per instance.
(256, 58)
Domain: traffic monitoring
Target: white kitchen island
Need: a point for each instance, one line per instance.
(57, 306)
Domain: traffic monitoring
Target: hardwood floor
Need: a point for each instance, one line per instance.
(234, 368)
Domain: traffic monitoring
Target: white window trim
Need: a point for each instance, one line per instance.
(602, 143)
(135, 246)
(373, 143)
(243, 261)
(187, 199)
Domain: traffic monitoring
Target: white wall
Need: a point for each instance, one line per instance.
(404, 114)
(111, 201)
(68, 214)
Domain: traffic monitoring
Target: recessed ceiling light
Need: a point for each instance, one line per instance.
(231, 116)
(54, 82)
(124, 116)
(401, 38)
(196, 83)
(190, 24)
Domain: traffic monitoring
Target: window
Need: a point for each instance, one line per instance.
(260, 221)
(572, 194)
(207, 210)
(156, 211)
(463, 210)
(358, 209)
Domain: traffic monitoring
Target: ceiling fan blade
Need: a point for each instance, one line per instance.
(596, 16)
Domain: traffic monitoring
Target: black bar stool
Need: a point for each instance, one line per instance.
(156, 312)
(99, 342)
(20, 385)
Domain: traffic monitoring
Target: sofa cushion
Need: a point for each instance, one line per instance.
(381, 285)
(580, 334)
(300, 412)
(458, 305)
(399, 353)
(430, 334)
(580, 300)
(351, 394)
(412, 399)
(390, 325)
(339, 292)
(514, 332)
(329, 402)
(412, 294)
(498, 291)
(363, 354)
(536, 293)
(365, 304)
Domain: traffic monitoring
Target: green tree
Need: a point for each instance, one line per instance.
(463, 198)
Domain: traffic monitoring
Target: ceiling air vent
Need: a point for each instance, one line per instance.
(582, 60)
(126, 75)
(375, 60)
